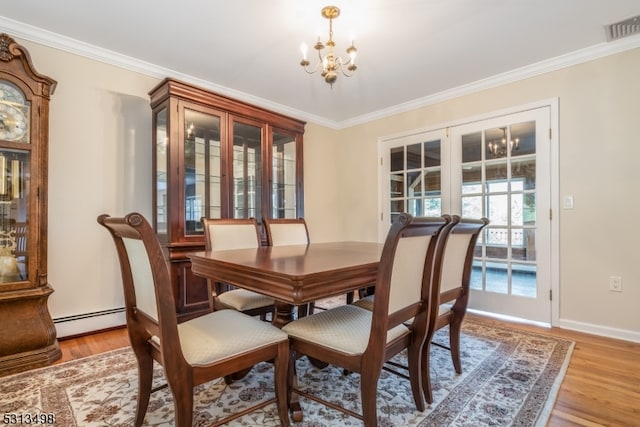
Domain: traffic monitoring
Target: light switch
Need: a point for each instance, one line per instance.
(568, 202)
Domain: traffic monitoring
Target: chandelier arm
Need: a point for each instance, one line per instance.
(310, 71)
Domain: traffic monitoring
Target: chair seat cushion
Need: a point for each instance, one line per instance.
(345, 329)
(223, 334)
(366, 303)
(242, 300)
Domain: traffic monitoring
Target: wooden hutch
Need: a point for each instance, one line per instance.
(217, 157)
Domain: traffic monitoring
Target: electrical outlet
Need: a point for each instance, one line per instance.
(615, 284)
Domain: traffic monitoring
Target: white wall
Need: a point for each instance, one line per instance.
(599, 148)
(100, 162)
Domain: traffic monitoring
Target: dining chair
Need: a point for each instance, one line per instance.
(292, 231)
(450, 295)
(195, 351)
(235, 233)
(289, 231)
(360, 340)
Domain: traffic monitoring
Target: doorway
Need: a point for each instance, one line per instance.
(497, 167)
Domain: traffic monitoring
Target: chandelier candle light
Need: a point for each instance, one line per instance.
(330, 63)
(499, 148)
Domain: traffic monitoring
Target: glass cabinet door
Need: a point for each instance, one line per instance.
(202, 169)
(247, 171)
(161, 168)
(14, 208)
(284, 185)
(15, 114)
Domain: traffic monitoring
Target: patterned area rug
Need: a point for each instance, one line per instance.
(510, 378)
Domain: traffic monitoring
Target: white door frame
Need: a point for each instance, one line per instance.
(552, 104)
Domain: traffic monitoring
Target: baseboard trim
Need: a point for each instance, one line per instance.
(81, 324)
(605, 331)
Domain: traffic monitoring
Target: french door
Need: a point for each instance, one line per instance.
(497, 168)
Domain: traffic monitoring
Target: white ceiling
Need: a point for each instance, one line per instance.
(410, 52)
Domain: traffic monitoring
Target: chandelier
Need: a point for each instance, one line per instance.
(499, 147)
(330, 63)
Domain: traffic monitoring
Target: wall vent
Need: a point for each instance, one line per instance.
(625, 28)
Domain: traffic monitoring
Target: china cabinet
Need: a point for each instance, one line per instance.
(217, 157)
(27, 335)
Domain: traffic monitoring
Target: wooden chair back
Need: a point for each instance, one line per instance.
(289, 231)
(405, 275)
(450, 291)
(230, 233)
(149, 301)
(194, 352)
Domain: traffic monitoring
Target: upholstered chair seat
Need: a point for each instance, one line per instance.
(230, 234)
(360, 340)
(345, 329)
(243, 300)
(197, 351)
(203, 341)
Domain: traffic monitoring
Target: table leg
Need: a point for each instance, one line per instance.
(283, 315)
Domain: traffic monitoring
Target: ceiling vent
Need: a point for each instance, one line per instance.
(625, 28)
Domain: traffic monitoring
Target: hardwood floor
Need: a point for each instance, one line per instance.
(601, 387)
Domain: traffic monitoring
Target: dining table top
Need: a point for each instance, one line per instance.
(295, 274)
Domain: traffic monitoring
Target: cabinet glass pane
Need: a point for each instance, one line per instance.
(14, 197)
(284, 176)
(201, 169)
(161, 171)
(247, 171)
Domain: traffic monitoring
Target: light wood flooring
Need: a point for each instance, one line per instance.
(601, 387)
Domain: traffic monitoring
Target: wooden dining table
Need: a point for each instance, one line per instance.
(293, 275)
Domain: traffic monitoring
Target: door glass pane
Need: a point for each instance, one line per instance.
(472, 207)
(201, 169)
(283, 176)
(472, 179)
(414, 207)
(161, 171)
(14, 196)
(432, 155)
(496, 171)
(247, 171)
(497, 279)
(523, 280)
(432, 206)
(523, 138)
(524, 170)
(472, 147)
(396, 185)
(416, 187)
(414, 156)
(414, 184)
(525, 250)
(397, 159)
(396, 208)
(501, 186)
(497, 209)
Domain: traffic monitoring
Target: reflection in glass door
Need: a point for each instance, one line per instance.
(247, 170)
(284, 198)
(495, 168)
(414, 178)
(201, 169)
(503, 174)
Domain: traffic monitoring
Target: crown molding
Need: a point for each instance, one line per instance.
(57, 41)
(553, 64)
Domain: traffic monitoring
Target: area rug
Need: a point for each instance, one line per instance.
(510, 378)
